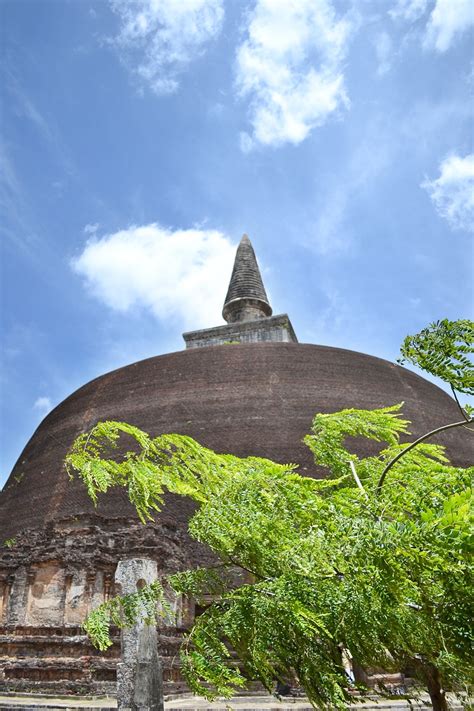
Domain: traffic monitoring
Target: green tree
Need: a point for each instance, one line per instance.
(375, 558)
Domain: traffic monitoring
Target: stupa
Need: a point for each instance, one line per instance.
(247, 387)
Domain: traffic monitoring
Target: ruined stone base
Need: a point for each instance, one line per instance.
(63, 661)
(51, 579)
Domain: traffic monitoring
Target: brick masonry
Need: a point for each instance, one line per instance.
(274, 329)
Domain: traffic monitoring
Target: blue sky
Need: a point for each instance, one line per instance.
(139, 140)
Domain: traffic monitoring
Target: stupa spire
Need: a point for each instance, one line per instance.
(246, 298)
(246, 309)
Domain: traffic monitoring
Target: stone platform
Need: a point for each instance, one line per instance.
(28, 702)
(196, 703)
(62, 660)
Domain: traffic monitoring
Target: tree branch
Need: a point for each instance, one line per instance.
(413, 444)
(247, 570)
(459, 404)
(356, 477)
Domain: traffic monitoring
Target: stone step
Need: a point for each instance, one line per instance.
(75, 674)
(33, 705)
(196, 703)
(23, 686)
(19, 647)
(51, 707)
(82, 687)
(56, 631)
(48, 669)
(169, 644)
(25, 702)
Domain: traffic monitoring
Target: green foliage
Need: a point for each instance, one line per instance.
(385, 575)
(443, 349)
(173, 462)
(201, 582)
(329, 433)
(384, 571)
(9, 542)
(124, 611)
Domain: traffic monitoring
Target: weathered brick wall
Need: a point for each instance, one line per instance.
(275, 329)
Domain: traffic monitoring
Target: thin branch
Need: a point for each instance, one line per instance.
(251, 572)
(413, 444)
(459, 404)
(356, 477)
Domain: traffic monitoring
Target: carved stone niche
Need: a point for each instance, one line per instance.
(188, 612)
(46, 592)
(17, 598)
(6, 583)
(97, 590)
(76, 604)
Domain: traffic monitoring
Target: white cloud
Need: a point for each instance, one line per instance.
(409, 10)
(15, 208)
(383, 50)
(452, 193)
(181, 275)
(350, 184)
(91, 228)
(448, 19)
(290, 67)
(159, 38)
(43, 405)
(330, 234)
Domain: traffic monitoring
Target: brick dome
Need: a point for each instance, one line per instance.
(247, 399)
